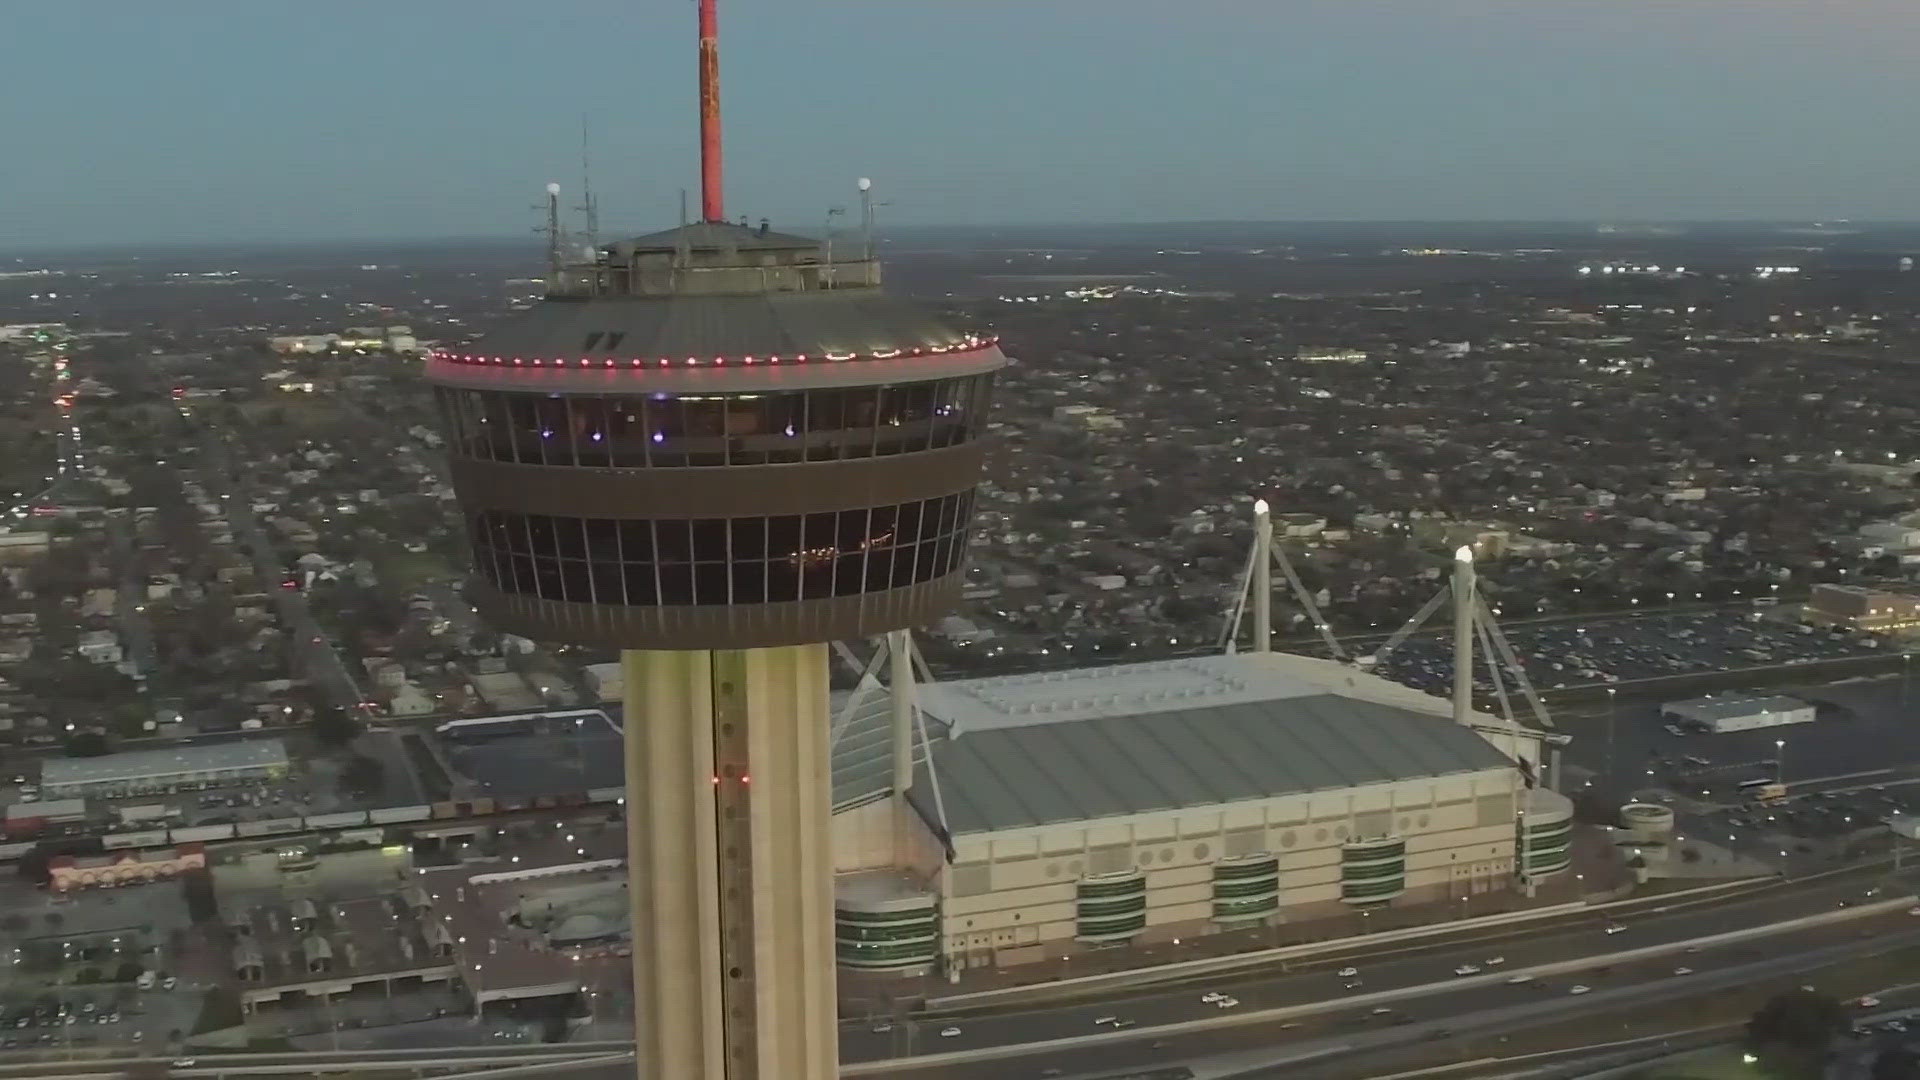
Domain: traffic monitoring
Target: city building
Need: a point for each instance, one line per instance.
(142, 771)
(28, 819)
(100, 647)
(68, 872)
(718, 449)
(1861, 608)
(1739, 712)
(1148, 802)
(303, 927)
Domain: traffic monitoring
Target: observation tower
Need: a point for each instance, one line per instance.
(718, 449)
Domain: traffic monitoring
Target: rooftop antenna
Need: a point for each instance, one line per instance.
(711, 207)
(866, 218)
(827, 233)
(588, 207)
(680, 252)
(556, 237)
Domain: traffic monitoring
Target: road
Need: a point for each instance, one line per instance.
(136, 632)
(1331, 1043)
(68, 447)
(1343, 1047)
(313, 651)
(1319, 982)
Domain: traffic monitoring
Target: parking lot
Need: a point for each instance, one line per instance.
(80, 1016)
(1622, 650)
(95, 967)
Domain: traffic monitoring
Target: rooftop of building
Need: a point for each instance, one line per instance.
(674, 327)
(357, 911)
(1871, 591)
(1031, 750)
(716, 236)
(174, 760)
(1736, 704)
(538, 754)
(50, 808)
(535, 915)
(878, 888)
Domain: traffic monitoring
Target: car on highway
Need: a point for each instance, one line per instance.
(1495, 961)
(1102, 1021)
(881, 1028)
(1224, 1002)
(949, 1032)
(1516, 980)
(1614, 928)
(1211, 996)
(1354, 985)
(1467, 969)
(1347, 972)
(1869, 1002)
(1579, 988)
(1683, 971)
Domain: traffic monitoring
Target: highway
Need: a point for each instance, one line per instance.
(1428, 996)
(1643, 923)
(1456, 1008)
(1357, 1044)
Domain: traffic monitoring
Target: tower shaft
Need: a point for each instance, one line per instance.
(731, 863)
(712, 207)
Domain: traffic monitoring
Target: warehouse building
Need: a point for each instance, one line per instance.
(139, 772)
(1739, 712)
(1858, 607)
(1153, 801)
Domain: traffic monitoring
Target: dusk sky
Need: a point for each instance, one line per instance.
(232, 120)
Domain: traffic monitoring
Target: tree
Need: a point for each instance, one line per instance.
(1797, 1021)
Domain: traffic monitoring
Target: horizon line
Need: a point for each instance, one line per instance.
(31, 248)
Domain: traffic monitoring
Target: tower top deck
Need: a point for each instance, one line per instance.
(716, 258)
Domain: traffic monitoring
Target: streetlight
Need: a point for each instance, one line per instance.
(1779, 761)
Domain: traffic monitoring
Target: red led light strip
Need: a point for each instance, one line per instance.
(965, 345)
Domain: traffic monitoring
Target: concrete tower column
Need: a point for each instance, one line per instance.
(900, 690)
(1262, 582)
(731, 863)
(1464, 589)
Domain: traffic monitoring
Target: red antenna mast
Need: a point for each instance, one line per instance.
(711, 208)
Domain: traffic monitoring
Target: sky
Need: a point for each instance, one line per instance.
(132, 122)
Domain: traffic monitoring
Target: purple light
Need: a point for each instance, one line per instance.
(546, 433)
(596, 436)
(789, 431)
(659, 436)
